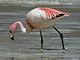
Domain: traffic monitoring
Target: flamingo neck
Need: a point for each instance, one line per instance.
(18, 23)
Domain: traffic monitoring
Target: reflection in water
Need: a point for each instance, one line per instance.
(44, 55)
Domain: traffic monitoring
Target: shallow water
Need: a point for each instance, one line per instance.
(27, 46)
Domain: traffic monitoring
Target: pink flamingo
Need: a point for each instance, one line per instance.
(39, 18)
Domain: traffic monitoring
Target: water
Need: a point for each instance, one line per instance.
(27, 46)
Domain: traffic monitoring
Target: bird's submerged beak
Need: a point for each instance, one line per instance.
(11, 35)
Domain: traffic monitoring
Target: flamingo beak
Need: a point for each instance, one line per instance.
(11, 35)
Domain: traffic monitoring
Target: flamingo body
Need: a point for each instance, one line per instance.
(40, 18)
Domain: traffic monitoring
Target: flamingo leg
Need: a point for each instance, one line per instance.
(61, 36)
(41, 39)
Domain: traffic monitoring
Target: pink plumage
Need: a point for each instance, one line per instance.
(51, 13)
(13, 27)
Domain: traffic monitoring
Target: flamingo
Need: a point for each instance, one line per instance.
(39, 18)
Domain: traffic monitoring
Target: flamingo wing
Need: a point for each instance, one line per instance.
(52, 13)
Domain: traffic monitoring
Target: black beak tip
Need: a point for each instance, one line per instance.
(12, 38)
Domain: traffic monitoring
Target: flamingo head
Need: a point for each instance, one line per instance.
(13, 29)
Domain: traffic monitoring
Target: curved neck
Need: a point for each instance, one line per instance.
(18, 23)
